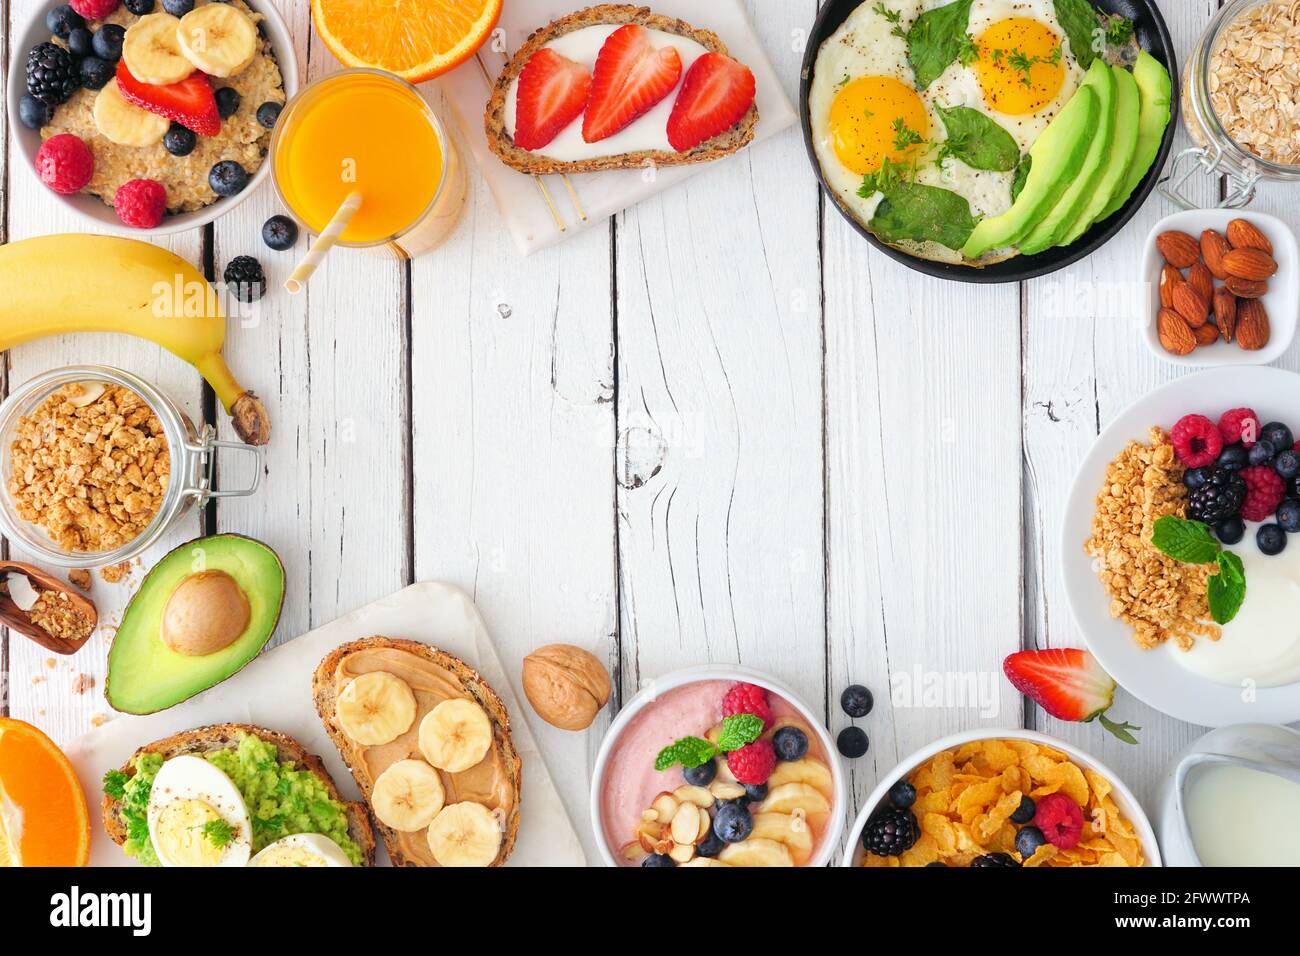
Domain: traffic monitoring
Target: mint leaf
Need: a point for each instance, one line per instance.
(689, 752)
(1185, 540)
(1231, 568)
(739, 730)
(1226, 590)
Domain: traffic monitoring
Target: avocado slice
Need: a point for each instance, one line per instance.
(1066, 211)
(202, 612)
(1123, 147)
(1056, 158)
(1154, 92)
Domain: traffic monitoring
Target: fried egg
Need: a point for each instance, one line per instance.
(197, 816)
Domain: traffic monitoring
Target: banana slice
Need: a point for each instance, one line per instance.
(124, 122)
(152, 52)
(407, 796)
(793, 831)
(790, 797)
(376, 708)
(218, 39)
(705, 861)
(808, 770)
(455, 735)
(465, 834)
(756, 852)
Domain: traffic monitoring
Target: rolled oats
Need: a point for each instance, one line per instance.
(1254, 80)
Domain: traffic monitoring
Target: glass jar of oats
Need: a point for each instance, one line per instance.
(1241, 102)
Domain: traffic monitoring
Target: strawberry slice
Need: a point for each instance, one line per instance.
(190, 102)
(716, 93)
(552, 94)
(631, 77)
(1069, 684)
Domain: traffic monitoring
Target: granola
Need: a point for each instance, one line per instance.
(54, 614)
(1160, 598)
(90, 468)
(1255, 81)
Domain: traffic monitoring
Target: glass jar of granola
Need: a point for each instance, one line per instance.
(97, 464)
(1241, 101)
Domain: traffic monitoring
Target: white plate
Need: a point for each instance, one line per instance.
(274, 692)
(1151, 675)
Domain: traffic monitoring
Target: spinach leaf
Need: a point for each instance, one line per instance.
(936, 38)
(1083, 28)
(911, 211)
(1022, 175)
(978, 141)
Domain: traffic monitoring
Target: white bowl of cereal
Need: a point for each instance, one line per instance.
(1238, 663)
(126, 142)
(1036, 792)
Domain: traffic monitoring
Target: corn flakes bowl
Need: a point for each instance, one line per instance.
(969, 789)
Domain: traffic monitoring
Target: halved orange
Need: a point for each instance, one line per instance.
(43, 819)
(416, 39)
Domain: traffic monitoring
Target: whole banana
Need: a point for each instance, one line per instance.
(128, 286)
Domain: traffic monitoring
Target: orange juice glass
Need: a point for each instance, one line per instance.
(369, 131)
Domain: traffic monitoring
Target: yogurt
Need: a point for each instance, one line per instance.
(1240, 816)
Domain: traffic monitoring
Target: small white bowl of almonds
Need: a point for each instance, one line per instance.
(1223, 288)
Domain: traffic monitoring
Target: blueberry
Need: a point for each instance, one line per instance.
(227, 101)
(1029, 839)
(1025, 812)
(937, 863)
(1271, 539)
(1288, 515)
(108, 42)
(33, 113)
(852, 742)
(702, 775)
(1287, 464)
(62, 20)
(1261, 453)
(1277, 435)
(1193, 478)
(179, 141)
(280, 232)
(268, 113)
(80, 42)
(755, 792)
(1230, 530)
(902, 794)
(710, 846)
(227, 178)
(733, 823)
(95, 73)
(139, 7)
(790, 743)
(178, 8)
(856, 700)
(658, 859)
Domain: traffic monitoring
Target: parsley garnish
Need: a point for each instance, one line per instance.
(904, 136)
(115, 784)
(1022, 63)
(218, 832)
(1119, 31)
(968, 51)
(738, 730)
(893, 16)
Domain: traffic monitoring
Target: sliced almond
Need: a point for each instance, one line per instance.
(706, 824)
(682, 853)
(723, 790)
(696, 795)
(665, 805)
(686, 824)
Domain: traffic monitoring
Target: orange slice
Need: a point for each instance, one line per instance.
(416, 39)
(43, 819)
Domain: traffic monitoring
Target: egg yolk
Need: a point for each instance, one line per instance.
(179, 834)
(874, 118)
(1020, 66)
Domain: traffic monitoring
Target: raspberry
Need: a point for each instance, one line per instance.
(747, 699)
(141, 203)
(752, 763)
(64, 163)
(1060, 819)
(1265, 490)
(94, 9)
(1239, 425)
(1196, 441)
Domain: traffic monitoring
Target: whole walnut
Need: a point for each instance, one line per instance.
(566, 685)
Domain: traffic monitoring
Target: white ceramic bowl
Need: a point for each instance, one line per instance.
(707, 672)
(1152, 675)
(1123, 796)
(90, 208)
(1282, 301)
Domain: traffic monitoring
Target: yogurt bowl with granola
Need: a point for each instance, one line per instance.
(1181, 547)
(150, 114)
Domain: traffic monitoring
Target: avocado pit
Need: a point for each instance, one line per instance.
(206, 613)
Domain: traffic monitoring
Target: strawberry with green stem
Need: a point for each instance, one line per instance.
(1069, 684)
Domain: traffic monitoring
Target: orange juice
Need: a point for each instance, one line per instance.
(369, 131)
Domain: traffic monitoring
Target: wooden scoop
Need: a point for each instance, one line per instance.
(16, 619)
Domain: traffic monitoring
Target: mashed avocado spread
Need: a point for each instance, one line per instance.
(281, 800)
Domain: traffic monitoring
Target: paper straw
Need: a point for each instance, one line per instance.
(324, 242)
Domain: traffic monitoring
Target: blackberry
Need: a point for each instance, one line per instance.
(1218, 499)
(890, 832)
(995, 859)
(52, 74)
(245, 278)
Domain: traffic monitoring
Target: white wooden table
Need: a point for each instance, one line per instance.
(720, 428)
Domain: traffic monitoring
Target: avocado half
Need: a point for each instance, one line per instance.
(144, 674)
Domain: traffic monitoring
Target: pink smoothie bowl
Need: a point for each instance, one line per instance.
(665, 710)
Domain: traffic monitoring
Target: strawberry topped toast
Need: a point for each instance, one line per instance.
(617, 86)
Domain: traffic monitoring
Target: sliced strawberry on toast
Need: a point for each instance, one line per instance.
(716, 94)
(1069, 684)
(631, 76)
(553, 92)
(190, 102)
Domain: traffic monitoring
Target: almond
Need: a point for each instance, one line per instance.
(1244, 234)
(1179, 249)
(1201, 279)
(1207, 334)
(1191, 305)
(1252, 325)
(1169, 279)
(1225, 312)
(1175, 334)
(1248, 263)
(1213, 248)
(1246, 288)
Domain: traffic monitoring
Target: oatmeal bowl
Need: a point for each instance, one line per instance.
(96, 465)
(150, 114)
(717, 765)
(1175, 547)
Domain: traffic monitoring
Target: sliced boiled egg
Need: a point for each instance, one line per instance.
(197, 816)
(1021, 65)
(302, 849)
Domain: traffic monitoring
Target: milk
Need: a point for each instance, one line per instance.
(1239, 816)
